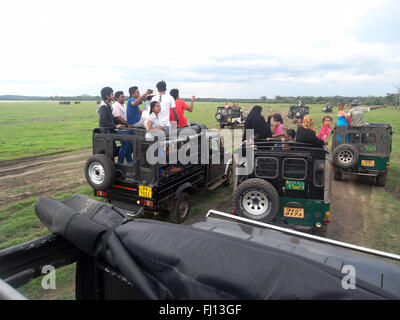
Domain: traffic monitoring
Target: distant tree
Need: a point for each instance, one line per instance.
(263, 98)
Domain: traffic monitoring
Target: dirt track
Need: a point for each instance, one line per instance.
(47, 176)
(42, 176)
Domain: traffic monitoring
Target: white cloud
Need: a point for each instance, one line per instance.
(76, 46)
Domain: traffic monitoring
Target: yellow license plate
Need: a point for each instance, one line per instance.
(368, 163)
(293, 212)
(145, 192)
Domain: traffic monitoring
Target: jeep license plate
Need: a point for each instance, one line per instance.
(145, 192)
(293, 212)
(368, 163)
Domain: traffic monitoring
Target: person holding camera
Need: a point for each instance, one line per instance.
(133, 113)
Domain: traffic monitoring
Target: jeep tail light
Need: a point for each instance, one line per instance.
(101, 193)
(387, 164)
(146, 203)
(327, 214)
(326, 221)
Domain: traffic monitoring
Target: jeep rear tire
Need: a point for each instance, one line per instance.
(180, 210)
(257, 199)
(345, 156)
(100, 171)
(222, 126)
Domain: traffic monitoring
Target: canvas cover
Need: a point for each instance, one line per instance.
(169, 261)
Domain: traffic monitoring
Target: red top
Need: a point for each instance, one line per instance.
(180, 106)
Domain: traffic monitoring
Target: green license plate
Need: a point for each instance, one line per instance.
(295, 185)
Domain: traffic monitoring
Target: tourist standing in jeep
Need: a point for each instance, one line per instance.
(255, 121)
(134, 114)
(181, 106)
(357, 113)
(167, 104)
(106, 119)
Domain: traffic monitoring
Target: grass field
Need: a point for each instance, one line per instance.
(29, 129)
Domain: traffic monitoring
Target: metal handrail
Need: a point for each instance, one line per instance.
(9, 293)
(308, 236)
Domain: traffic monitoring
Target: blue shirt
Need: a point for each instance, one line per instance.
(132, 112)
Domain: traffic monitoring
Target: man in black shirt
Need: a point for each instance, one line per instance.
(106, 119)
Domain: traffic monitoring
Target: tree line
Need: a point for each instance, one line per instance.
(388, 99)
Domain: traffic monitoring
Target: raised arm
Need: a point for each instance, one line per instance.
(140, 99)
(377, 107)
(190, 109)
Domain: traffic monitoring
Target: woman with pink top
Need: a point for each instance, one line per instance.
(326, 128)
(277, 129)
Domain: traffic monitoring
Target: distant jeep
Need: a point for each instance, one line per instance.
(327, 108)
(298, 113)
(231, 117)
(362, 151)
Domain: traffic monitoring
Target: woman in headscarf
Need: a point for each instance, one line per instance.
(306, 133)
(255, 121)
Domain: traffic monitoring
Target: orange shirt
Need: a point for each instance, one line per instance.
(180, 106)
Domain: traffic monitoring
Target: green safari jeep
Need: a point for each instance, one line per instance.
(289, 186)
(362, 151)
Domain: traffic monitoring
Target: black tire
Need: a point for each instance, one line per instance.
(381, 179)
(218, 116)
(181, 208)
(345, 156)
(257, 188)
(235, 125)
(337, 174)
(229, 177)
(100, 171)
(222, 126)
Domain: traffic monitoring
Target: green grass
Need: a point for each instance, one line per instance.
(38, 128)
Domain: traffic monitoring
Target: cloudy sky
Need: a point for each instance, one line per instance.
(217, 48)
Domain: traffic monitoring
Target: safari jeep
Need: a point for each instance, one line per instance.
(327, 108)
(231, 117)
(298, 113)
(155, 188)
(290, 185)
(362, 151)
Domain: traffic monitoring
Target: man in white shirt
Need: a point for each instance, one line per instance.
(119, 114)
(167, 103)
(119, 108)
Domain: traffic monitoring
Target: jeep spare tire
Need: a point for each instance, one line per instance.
(257, 199)
(345, 156)
(100, 171)
(218, 116)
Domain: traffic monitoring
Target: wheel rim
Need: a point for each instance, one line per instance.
(345, 156)
(96, 173)
(218, 116)
(256, 203)
(183, 209)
